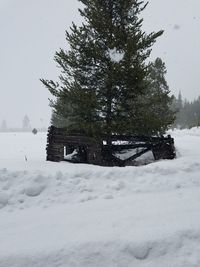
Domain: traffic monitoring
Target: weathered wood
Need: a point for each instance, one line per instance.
(89, 150)
(137, 155)
(129, 146)
(94, 155)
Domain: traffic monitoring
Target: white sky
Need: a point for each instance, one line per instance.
(32, 30)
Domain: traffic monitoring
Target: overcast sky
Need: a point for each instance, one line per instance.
(32, 30)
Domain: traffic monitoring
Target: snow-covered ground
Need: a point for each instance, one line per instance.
(65, 215)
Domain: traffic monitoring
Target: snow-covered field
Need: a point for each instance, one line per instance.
(65, 215)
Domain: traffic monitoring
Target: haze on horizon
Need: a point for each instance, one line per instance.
(32, 30)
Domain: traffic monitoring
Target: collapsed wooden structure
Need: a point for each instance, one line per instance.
(79, 148)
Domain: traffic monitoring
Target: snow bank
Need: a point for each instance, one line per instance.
(62, 214)
(142, 230)
(195, 131)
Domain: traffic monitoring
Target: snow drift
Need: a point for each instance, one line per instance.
(61, 214)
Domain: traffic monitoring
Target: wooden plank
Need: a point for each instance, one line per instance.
(130, 146)
(57, 138)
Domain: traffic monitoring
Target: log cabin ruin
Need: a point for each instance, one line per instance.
(119, 150)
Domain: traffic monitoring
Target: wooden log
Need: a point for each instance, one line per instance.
(130, 146)
(99, 154)
(94, 155)
(164, 151)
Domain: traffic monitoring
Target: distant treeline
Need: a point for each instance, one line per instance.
(26, 126)
(20, 130)
(187, 116)
(188, 112)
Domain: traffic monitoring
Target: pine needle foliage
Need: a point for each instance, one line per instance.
(104, 74)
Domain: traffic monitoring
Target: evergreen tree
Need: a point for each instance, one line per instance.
(158, 112)
(60, 113)
(197, 112)
(4, 127)
(179, 108)
(104, 73)
(188, 115)
(26, 123)
(179, 101)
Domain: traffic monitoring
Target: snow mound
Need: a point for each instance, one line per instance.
(35, 187)
(30, 188)
(195, 131)
(62, 214)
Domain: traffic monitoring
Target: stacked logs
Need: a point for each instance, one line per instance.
(58, 138)
(99, 152)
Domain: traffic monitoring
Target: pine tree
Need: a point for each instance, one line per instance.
(157, 103)
(179, 101)
(104, 73)
(60, 113)
(188, 113)
(26, 123)
(4, 127)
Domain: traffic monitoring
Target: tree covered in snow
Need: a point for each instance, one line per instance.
(104, 83)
